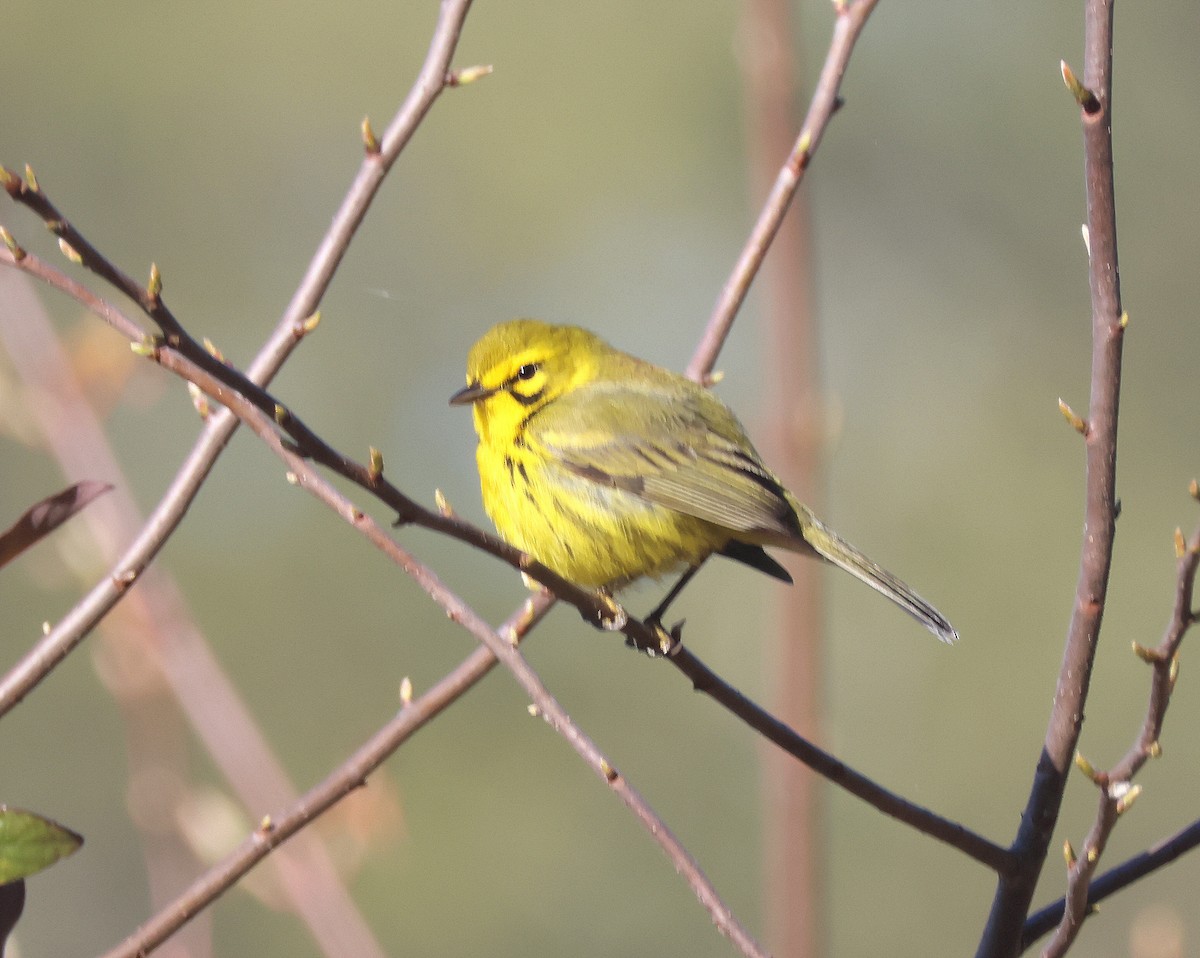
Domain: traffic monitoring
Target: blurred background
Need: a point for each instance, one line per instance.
(599, 177)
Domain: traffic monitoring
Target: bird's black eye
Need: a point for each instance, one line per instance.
(528, 371)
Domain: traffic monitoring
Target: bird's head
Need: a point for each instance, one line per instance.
(521, 365)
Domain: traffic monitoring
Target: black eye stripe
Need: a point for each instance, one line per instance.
(526, 400)
(527, 372)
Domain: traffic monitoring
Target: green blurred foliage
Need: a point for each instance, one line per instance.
(598, 177)
(31, 842)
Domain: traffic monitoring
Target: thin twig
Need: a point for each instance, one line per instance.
(1002, 934)
(348, 776)
(850, 19)
(184, 675)
(1116, 794)
(1115, 879)
(74, 627)
(834, 770)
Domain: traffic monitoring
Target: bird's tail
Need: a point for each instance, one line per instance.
(837, 550)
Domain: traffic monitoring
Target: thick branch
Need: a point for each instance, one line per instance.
(1011, 904)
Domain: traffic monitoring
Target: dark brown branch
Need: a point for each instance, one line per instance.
(704, 680)
(1002, 934)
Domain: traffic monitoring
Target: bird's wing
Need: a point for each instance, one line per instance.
(685, 451)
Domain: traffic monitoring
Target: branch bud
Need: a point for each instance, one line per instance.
(146, 347)
(308, 324)
(370, 141)
(374, 464)
(199, 401)
(69, 251)
(211, 348)
(1076, 422)
(18, 253)
(154, 286)
(1086, 767)
(1149, 656)
(1083, 96)
(1126, 800)
(468, 75)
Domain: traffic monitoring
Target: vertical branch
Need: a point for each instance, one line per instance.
(794, 858)
(1002, 934)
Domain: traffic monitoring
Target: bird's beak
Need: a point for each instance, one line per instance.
(471, 393)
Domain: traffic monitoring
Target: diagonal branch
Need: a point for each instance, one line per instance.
(595, 607)
(340, 782)
(502, 647)
(851, 17)
(433, 78)
(1112, 881)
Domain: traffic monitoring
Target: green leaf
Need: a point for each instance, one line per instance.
(29, 843)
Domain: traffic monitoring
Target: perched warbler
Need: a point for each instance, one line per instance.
(606, 468)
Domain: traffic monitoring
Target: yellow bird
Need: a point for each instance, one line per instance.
(606, 468)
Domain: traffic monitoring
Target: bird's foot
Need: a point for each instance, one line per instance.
(609, 615)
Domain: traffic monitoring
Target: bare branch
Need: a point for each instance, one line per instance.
(1115, 789)
(850, 19)
(178, 678)
(502, 647)
(1115, 879)
(1011, 904)
(348, 776)
(72, 629)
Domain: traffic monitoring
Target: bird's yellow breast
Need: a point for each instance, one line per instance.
(588, 533)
